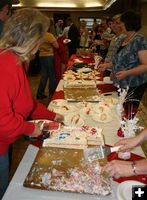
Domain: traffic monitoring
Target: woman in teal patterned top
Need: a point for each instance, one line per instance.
(129, 65)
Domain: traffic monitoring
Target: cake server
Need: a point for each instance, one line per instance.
(45, 134)
(99, 152)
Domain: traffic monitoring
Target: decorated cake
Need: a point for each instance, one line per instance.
(66, 170)
(75, 137)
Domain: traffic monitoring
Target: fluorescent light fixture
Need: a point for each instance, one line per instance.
(59, 5)
(109, 4)
(93, 4)
(17, 5)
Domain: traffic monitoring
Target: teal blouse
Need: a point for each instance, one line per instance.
(127, 58)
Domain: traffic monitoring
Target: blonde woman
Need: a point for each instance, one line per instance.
(21, 38)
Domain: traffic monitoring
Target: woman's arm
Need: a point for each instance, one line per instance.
(104, 66)
(129, 143)
(140, 167)
(119, 168)
(41, 112)
(142, 68)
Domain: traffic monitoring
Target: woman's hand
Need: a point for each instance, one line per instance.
(127, 144)
(59, 118)
(103, 67)
(119, 168)
(37, 131)
(121, 75)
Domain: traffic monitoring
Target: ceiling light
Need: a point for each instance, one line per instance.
(59, 5)
(17, 5)
(109, 4)
(93, 4)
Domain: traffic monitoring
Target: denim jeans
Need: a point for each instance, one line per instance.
(47, 72)
(4, 173)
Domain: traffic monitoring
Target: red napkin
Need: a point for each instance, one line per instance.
(140, 178)
(106, 88)
(58, 95)
(87, 60)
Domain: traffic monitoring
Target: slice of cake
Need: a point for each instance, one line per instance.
(75, 137)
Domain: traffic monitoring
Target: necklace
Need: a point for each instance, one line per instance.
(128, 39)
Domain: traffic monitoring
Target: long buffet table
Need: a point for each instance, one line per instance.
(16, 191)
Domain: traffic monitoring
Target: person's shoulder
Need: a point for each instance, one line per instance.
(139, 37)
(6, 55)
(8, 59)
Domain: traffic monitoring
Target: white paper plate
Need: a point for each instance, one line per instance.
(107, 80)
(124, 190)
(102, 107)
(110, 100)
(64, 109)
(100, 118)
(99, 82)
(70, 120)
(84, 69)
(57, 103)
(69, 78)
(86, 108)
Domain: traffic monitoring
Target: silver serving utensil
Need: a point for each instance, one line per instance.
(99, 152)
(45, 134)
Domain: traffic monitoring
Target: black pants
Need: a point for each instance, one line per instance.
(133, 99)
(10, 155)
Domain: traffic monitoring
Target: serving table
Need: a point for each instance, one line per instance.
(16, 190)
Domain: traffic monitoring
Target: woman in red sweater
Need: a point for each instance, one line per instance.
(21, 38)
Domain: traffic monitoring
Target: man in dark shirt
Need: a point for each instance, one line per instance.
(74, 36)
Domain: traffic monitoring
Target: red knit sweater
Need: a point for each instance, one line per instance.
(16, 102)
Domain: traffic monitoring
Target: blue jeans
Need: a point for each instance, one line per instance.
(47, 72)
(4, 173)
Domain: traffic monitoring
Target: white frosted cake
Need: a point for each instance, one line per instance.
(75, 137)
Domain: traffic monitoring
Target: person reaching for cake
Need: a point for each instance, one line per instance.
(120, 168)
(21, 37)
(129, 64)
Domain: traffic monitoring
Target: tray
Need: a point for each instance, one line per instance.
(66, 170)
(81, 94)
